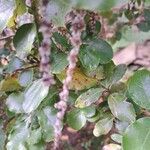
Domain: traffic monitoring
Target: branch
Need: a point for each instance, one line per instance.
(23, 69)
(6, 37)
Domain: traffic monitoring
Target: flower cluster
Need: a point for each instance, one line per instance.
(46, 28)
(77, 26)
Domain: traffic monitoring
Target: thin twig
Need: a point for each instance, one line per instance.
(6, 37)
(26, 68)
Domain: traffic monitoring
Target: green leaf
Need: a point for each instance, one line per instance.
(14, 102)
(34, 136)
(79, 80)
(57, 10)
(19, 10)
(88, 57)
(117, 138)
(14, 64)
(58, 57)
(17, 138)
(76, 119)
(62, 40)
(6, 11)
(23, 39)
(97, 73)
(139, 88)
(147, 3)
(121, 126)
(144, 26)
(129, 35)
(122, 110)
(137, 135)
(34, 95)
(4, 52)
(103, 126)
(147, 14)
(51, 97)
(118, 87)
(115, 76)
(95, 117)
(25, 77)
(94, 52)
(119, 71)
(88, 97)
(39, 146)
(47, 119)
(109, 69)
(10, 84)
(2, 139)
(89, 111)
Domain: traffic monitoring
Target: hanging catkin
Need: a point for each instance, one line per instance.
(77, 26)
(46, 28)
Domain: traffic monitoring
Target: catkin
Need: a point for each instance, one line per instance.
(46, 28)
(77, 26)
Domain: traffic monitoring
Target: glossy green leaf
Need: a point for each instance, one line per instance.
(121, 126)
(35, 136)
(62, 40)
(139, 88)
(2, 139)
(17, 138)
(14, 64)
(25, 78)
(4, 52)
(88, 57)
(34, 95)
(115, 75)
(76, 119)
(6, 11)
(147, 14)
(122, 110)
(59, 62)
(14, 102)
(51, 98)
(39, 146)
(57, 10)
(117, 138)
(109, 69)
(103, 126)
(118, 87)
(137, 135)
(97, 73)
(119, 71)
(144, 26)
(47, 119)
(95, 117)
(94, 52)
(89, 111)
(88, 97)
(23, 39)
